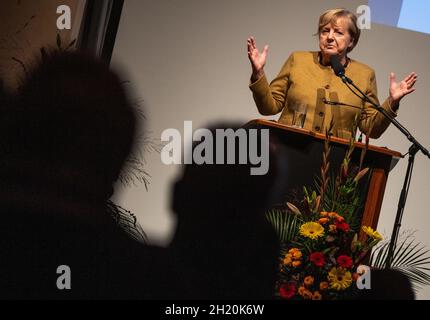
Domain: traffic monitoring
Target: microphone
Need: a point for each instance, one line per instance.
(336, 103)
(336, 65)
(338, 68)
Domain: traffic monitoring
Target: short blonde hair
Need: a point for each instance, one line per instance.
(333, 15)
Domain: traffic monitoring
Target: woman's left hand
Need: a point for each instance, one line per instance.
(400, 89)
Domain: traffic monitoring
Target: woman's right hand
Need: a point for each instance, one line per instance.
(258, 60)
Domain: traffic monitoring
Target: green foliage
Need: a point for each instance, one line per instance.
(410, 257)
(344, 198)
(285, 224)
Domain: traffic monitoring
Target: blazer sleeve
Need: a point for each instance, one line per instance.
(270, 99)
(372, 122)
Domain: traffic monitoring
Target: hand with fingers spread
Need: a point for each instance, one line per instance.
(400, 89)
(258, 60)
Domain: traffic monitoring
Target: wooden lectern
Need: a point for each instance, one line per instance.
(304, 156)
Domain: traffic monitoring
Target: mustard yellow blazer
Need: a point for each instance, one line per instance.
(303, 78)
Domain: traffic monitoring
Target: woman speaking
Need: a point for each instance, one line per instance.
(307, 78)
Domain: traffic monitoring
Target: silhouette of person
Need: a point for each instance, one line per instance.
(70, 129)
(224, 247)
(387, 284)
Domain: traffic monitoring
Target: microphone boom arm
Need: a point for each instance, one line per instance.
(396, 123)
(414, 148)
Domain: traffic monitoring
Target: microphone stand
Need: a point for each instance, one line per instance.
(413, 149)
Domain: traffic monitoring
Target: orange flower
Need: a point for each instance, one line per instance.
(332, 228)
(323, 285)
(323, 220)
(332, 214)
(293, 250)
(309, 280)
(323, 214)
(316, 296)
(307, 295)
(288, 260)
(301, 290)
(339, 218)
(297, 255)
(296, 264)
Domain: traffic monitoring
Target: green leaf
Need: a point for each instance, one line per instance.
(285, 224)
(410, 257)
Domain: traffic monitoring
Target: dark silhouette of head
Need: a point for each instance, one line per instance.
(237, 190)
(69, 129)
(387, 284)
(223, 241)
(72, 117)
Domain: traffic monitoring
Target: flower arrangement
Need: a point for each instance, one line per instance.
(322, 262)
(320, 246)
(320, 250)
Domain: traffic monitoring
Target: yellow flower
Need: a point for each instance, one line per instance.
(316, 296)
(371, 233)
(309, 280)
(312, 230)
(377, 235)
(367, 230)
(296, 263)
(323, 285)
(332, 228)
(339, 278)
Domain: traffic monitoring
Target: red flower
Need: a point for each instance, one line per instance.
(342, 225)
(344, 261)
(318, 259)
(287, 290)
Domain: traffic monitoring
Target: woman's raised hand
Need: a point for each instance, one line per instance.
(400, 89)
(258, 60)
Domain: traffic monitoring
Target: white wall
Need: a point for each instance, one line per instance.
(187, 59)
